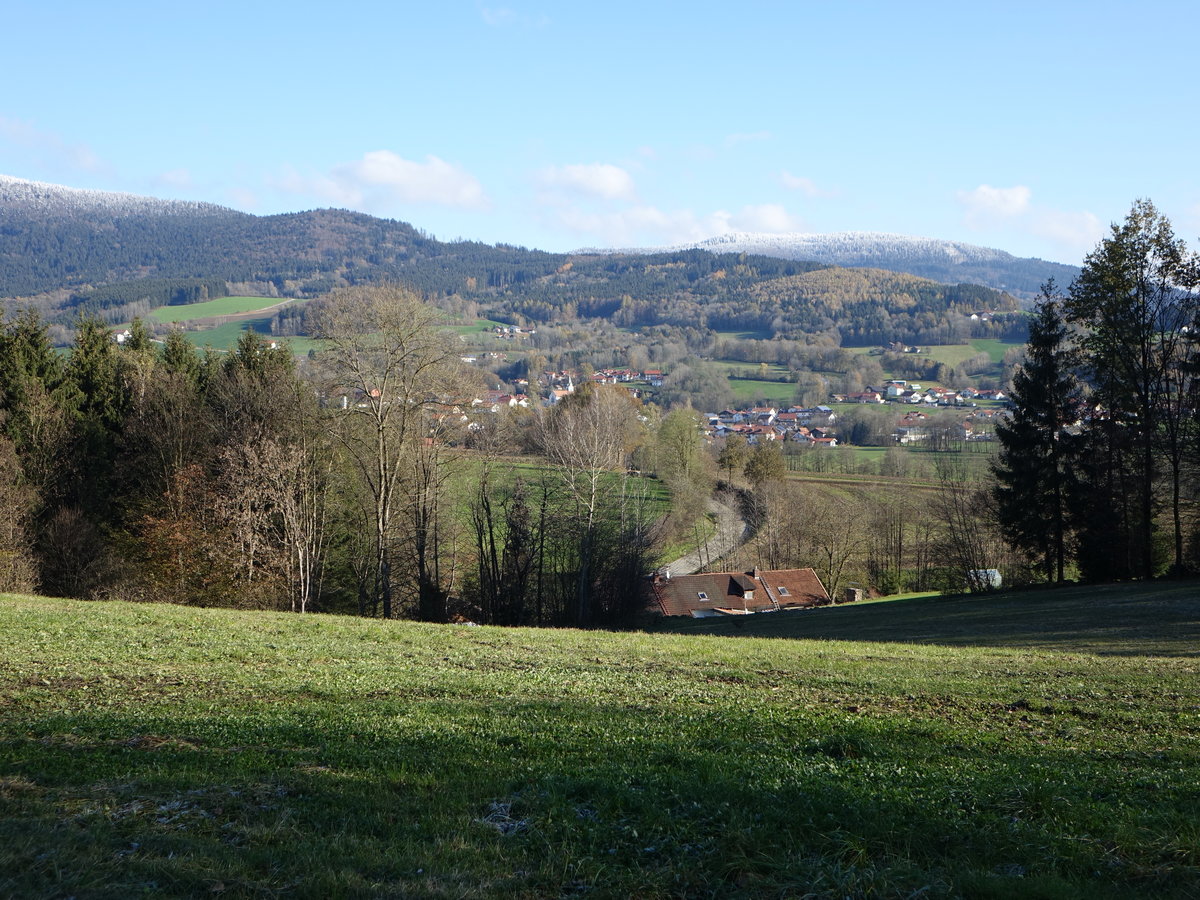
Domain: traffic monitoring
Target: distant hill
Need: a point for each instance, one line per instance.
(92, 251)
(951, 262)
(55, 238)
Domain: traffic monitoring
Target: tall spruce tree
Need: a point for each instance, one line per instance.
(1135, 301)
(1033, 467)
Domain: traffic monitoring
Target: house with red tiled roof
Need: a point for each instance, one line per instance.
(737, 593)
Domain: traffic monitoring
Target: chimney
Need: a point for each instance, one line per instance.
(667, 573)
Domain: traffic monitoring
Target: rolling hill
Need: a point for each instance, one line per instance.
(91, 251)
(951, 262)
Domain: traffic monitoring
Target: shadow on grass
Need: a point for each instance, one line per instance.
(1154, 619)
(549, 799)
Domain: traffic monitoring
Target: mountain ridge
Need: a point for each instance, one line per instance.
(940, 260)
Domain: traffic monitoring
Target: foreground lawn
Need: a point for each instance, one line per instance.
(1159, 618)
(169, 751)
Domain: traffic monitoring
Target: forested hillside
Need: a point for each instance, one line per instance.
(84, 251)
(947, 261)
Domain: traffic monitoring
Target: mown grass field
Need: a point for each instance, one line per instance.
(222, 306)
(747, 392)
(152, 750)
(954, 354)
(226, 336)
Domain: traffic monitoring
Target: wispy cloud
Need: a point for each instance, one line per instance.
(986, 203)
(649, 226)
(601, 180)
(769, 217)
(805, 186)
(1078, 232)
(243, 199)
(747, 137)
(507, 17)
(73, 155)
(381, 180)
(175, 178)
(988, 208)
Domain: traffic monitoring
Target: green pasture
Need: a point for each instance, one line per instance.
(954, 354)
(994, 348)
(222, 306)
(734, 368)
(225, 337)
(748, 391)
(480, 327)
(950, 354)
(1159, 619)
(1038, 745)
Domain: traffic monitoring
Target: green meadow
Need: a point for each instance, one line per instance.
(222, 306)
(225, 337)
(170, 751)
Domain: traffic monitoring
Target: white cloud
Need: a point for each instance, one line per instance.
(1078, 232)
(243, 199)
(806, 186)
(649, 226)
(768, 217)
(1005, 211)
(987, 203)
(747, 137)
(175, 178)
(77, 156)
(601, 180)
(382, 180)
(506, 17)
(632, 227)
(497, 17)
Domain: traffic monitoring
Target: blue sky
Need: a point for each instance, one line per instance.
(1024, 126)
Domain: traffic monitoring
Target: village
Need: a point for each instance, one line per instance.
(808, 426)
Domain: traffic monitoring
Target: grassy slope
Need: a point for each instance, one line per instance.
(1159, 619)
(222, 306)
(182, 752)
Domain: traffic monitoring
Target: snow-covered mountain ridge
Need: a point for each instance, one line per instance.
(945, 261)
(19, 195)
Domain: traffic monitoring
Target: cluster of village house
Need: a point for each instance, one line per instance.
(807, 426)
(552, 387)
(900, 391)
(758, 424)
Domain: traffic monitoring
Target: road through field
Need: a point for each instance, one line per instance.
(732, 531)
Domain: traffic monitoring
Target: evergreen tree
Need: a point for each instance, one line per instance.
(35, 402)
(180, 358)
(1135, 301)
(1033, 468)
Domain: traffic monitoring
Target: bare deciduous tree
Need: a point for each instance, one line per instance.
(587, 437)
(383, 356)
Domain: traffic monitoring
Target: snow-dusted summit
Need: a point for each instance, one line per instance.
(945, 261)
(19, 195)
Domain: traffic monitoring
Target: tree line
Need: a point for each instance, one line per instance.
(344, 483)
(1097, 473)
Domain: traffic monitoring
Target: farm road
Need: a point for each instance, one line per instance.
(731, 532)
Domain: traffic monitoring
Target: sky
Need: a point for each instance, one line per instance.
(1030, 127)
